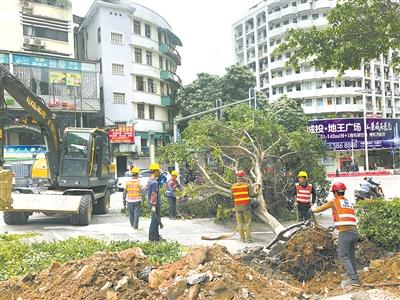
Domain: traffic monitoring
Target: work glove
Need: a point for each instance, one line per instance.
(153, 209)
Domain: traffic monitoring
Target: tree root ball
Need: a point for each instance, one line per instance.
(308, 251)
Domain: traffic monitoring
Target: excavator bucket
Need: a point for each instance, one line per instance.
(6, 177)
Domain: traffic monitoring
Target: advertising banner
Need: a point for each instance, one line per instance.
(57, 77)
(74, 79)
(347, 134)
(124, 134)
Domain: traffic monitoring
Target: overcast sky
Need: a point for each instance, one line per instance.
(203, 26)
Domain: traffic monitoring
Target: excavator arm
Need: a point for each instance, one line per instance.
(37, 109)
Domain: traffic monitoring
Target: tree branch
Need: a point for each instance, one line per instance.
(228, 184)
(251, 140)
(264, 153)
(241, 148)
(216, 186)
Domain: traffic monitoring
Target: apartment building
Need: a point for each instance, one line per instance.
(137, 52)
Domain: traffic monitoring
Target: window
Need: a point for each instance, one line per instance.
(338, 100)
(138, 55)
(116, 38)
(338, 83)
(149, 58)
(289, 88)
(151, 86)
(329, 84)
(305, 17)
(117, 69)
(140, 84)
(306, 68)
(308, 102)
(294, 3)
(274, 91)
(280, 74)
(315, 16)
(161, 62)
(348, 100)
(140, 111)
(307, 85)
(329, 101)
(119, 97)
(147, 30)
(285, 22)
(297, 70)
(298, 87)
(136, 27)
(319, 85)
(288, 54)
(46, 33)
(281, 90)
(151, 112)
(295, 20)
(303, 1)
(288, 71)
(320, 102)
(99, 35)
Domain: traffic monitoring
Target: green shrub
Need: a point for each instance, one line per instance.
(379, 221)
(18, 257)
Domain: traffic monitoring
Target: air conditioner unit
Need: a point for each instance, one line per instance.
(28, 41)
(27, 5)
(38, 42)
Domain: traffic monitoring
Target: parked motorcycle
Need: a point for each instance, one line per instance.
(375, 192)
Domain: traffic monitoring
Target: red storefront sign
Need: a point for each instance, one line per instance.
(124, 134)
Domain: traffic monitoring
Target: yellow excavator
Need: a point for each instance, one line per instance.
(78, 167)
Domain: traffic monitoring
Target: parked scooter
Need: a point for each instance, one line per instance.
(375, 191)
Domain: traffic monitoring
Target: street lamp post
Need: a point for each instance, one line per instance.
(365, 126)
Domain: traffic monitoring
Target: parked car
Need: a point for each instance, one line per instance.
(144, 178)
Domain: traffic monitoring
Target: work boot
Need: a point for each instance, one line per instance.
(249, 241)
(350, 282)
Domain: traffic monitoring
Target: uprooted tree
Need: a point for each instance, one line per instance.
(258, 141)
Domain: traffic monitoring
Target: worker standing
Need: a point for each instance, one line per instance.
(133, 197)
(344, 218)
(170, 191)
(305, 196)
(241, 193)
(153, 194)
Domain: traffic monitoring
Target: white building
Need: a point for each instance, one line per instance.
(136, 49)
(37, 26)
(257, 34)
(37, 44)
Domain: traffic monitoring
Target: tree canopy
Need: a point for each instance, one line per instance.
(202, 93)
(263, 143)
(358, 30)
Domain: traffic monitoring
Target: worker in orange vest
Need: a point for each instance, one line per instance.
(133, 196)
(305, 196)
(241, 195)
(344, 218)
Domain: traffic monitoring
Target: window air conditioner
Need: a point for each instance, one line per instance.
(27, 5)
(38, 42)
(28, 41)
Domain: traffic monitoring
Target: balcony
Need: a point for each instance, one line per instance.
(169, 51)
(171, 77)
(166, 100)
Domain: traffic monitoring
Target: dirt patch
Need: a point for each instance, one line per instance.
(102, 276)
(383, 271)
(367, 251)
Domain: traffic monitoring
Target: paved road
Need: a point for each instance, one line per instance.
(115, 226)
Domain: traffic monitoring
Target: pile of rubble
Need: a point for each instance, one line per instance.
(204, 273)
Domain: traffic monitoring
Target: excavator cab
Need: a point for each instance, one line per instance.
(85, 159)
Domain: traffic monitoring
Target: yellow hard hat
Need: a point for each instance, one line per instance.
(135, 170)
(154, 167)
(302, 174)
(174, 173)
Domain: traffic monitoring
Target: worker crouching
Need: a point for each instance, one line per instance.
(344, 218)
(241, 195)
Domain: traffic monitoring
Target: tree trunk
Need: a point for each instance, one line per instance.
(261, 210)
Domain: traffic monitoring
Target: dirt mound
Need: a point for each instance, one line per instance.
(204, 273)
(212, 273)
(383, 271)
(367, 251)
(102, 276)
(308, 251)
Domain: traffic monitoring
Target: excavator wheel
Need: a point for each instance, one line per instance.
(15, 217)
(84, 216)
(103, 205)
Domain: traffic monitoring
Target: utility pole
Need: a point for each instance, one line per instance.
(365, 127)
(2, 116)
(81, 109)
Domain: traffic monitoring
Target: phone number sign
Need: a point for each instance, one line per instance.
(345, 134)
(122, 135)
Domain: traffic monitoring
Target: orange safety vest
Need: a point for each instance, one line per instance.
(134, 190)
(343, 213)
(303, 194)
(241, 194)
